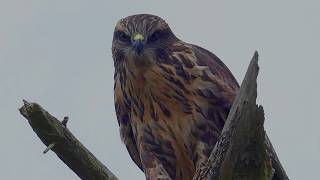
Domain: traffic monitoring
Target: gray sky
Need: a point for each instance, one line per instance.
(57, 53)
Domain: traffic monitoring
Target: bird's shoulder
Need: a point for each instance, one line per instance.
(206, 58)
(202, 70)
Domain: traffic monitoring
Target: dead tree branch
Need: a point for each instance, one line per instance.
(56, 136)
(243, 150)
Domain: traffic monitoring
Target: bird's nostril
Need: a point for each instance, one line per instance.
(138, 37)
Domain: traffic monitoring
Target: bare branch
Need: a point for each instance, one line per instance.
(49, 147)
(243, 150)
(56, 136)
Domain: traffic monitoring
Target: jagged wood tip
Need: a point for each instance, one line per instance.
(242, 152)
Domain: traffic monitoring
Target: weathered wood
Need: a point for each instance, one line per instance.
(243, 150)
(55, 134)
(280, 173)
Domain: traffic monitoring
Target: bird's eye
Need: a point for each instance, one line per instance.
(123, 37)
(154, 36)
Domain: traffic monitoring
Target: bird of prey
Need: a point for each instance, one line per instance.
(171, 97)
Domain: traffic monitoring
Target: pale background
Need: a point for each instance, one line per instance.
(57, 53)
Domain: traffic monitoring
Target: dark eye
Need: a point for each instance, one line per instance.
(155, 36)
(123, 37)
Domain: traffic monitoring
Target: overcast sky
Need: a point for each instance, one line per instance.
(57, 53)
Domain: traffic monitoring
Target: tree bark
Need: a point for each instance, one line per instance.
(243, 152)
(56, 135)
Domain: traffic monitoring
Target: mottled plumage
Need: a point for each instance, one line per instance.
(171, 97)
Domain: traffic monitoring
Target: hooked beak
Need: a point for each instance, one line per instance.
(138, 43)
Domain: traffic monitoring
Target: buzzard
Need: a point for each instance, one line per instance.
(171, 97)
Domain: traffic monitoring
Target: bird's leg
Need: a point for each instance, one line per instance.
(153, 168)
(157, 173)
(201, 151)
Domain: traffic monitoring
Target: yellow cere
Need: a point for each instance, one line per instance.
(138, 37)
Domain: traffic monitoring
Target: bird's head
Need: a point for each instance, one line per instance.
(138, 39)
